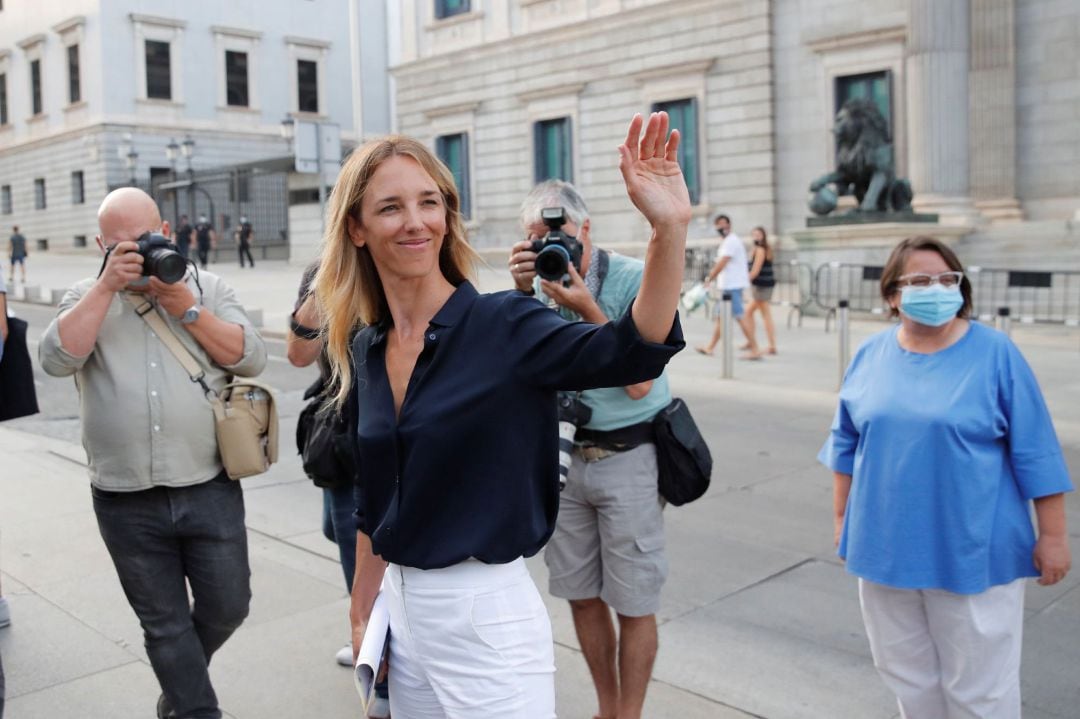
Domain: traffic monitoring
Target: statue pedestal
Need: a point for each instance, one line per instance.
(872, 218)
(866, 243)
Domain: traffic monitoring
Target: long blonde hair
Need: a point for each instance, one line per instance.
(347, 285)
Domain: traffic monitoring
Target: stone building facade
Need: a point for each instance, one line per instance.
(982, 99)
(93, 91)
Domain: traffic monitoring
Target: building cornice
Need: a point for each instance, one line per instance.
(29, 42)
(695, 67)
(157, 20)
(70, 24)
(458, 109)
(307, 42)
(572, 88)
(877, 36)
(235, 32)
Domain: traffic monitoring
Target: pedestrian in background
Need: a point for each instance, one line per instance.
(607, 551)
(940, 444)
(182, 237)
(245, 236)
(169, 514)
(17, 253)
(304, 346)
(205, 240)
(732, 277)
(762, 281)
(457, 434)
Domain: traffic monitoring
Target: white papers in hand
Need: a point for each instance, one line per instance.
(372, 651)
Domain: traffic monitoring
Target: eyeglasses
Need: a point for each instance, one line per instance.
(918, 279)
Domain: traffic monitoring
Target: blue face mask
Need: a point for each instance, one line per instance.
(932, 306)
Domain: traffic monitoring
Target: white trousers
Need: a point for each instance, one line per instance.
(469, 641)
(946, 655)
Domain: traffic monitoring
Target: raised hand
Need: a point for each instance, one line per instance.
(651, 172)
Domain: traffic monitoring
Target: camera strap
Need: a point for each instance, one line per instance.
(145, 308)
(600, 260)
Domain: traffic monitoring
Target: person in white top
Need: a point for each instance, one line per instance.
(732, 274)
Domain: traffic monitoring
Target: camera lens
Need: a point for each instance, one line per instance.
(553, 262)
(165, 264)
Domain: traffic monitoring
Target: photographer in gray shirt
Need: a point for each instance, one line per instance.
(169, 515)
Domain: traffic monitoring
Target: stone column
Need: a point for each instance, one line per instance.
(993, 109)
(937, 101)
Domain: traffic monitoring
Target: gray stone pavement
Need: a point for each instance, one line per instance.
(758, 618)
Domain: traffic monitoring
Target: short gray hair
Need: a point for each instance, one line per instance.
(554, 193)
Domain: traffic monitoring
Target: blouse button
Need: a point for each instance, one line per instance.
(431, 336)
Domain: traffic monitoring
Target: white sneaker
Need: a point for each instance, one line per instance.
(5, 612)
(344, 656)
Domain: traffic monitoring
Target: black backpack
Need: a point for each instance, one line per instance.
(682, 457)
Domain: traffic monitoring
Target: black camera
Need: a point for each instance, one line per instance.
(572, 414)
(556, 250)
(160, 258)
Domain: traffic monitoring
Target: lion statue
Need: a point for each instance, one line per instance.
(864, 164)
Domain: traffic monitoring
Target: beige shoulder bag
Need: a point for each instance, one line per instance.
(245, 413)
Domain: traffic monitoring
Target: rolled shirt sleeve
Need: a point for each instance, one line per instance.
(838, 453)
(557, 354)
(226, 307)
(1034, 451)
(55, 360)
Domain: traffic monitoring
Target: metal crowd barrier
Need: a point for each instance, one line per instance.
(794, 281)
(1030, 296)
(860, 285)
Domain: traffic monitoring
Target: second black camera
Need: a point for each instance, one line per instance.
(556, 250)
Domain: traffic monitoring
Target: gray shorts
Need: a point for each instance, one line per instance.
(762, 294)
(609, 537)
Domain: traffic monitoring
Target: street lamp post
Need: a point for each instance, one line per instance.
(172, 151)
(132, 160)
(187, 148)
(127, 153)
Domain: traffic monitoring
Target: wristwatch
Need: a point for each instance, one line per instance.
(191, 314)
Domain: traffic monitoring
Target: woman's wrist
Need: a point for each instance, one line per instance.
(302, 331)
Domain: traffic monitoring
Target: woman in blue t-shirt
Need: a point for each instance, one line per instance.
(940, 441)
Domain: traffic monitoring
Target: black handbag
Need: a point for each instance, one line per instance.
(324, 439)
(17, 395)
(682, 457)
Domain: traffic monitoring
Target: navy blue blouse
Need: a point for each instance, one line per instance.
(470, 468)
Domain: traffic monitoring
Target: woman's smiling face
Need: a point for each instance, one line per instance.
(403, 220)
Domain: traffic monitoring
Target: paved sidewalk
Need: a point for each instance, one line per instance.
(758, 617)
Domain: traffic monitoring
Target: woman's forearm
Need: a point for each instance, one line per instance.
(759, 262)
(1050, 515)
(841, 490)
(366, 581)
(661, 283)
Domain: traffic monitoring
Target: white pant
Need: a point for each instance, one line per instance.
(946, 655)
(469, 641)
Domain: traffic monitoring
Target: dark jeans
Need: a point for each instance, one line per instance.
(204, 254)
(245, 249)
(160, 537)
(339, 526)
